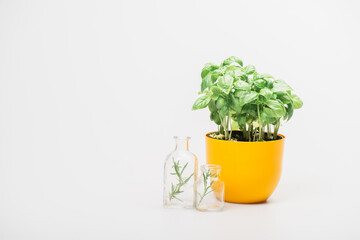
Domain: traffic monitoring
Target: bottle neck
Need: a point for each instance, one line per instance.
(211, 169)
(182, 144)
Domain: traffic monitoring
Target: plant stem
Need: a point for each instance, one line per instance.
(245, 132)
(178, 172)
(226, 131)
(254, 133)
(260, 123)
(226, 127)
(276, 128)
(263, 132)
(222, 130)
(250, 132)
(229, 120)
(206, 177)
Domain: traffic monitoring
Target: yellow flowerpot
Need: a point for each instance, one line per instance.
(250, 170)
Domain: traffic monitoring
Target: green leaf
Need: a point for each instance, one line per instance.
(249, 69)
(216, 92)
(276, 109)
(214, 116)
(231, 68)
(256, 76)
(201, 102)
(215, 74)
(182, 171)
(265, 75)
(234, 125)
(244, 77)
(209, 67)
(212, 106)
(297, 102)
(246, 97)
(241, 120)
(284, 97)
(267, 116)
(235, 103)
(231, 60)
(234, 71)
(206, 82)
(270, 83)
(250, 109)
(289, 111)
(238, 73)
(260, 83)
(220, 103)
(241, 85)
(225, 83)
(267, 93)
(187, 179)
(224, 111)
(281, 86)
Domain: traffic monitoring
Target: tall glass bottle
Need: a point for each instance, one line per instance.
(180, 174)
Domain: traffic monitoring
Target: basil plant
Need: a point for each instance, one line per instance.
(239, 98)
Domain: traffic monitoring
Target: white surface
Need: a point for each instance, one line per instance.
(91, 93)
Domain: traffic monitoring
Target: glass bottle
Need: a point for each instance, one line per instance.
(209, 189)
(180, 173)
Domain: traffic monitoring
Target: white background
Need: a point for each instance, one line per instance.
(91, 93)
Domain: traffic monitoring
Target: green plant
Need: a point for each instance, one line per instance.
(176, 189)
(239, 98)
(206, 177)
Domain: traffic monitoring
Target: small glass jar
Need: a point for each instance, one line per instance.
(209, 189)
(180, 173)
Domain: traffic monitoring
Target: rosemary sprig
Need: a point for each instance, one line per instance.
(176, 189)
(207, 187)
